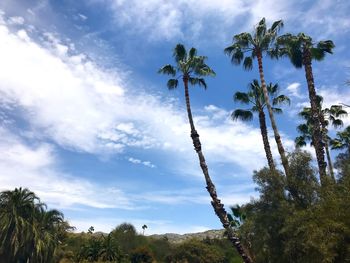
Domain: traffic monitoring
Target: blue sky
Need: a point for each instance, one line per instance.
(88, 124)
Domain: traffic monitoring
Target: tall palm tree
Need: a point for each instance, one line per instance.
(257, 44)
(329, 116)
(255, 97)
(191, 68)
(301, 50)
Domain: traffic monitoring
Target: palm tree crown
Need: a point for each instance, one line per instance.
(255, 44)
(189, 66)
(255, 96)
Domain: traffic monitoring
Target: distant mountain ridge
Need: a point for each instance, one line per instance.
(177, 238)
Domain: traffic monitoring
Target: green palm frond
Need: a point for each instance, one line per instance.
(276, 26)
(179, 53)
(244, 115)
(300, 141)
(192, 53)
(198, 81)
(281, 99)
(172, 84)
(277, 110)
(248, 63)
(167, 69)
(241, 97)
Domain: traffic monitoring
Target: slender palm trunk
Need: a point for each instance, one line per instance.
(326, 145)
(329, 160)
(216, 203)
(272, 118)
(265, 139)
(315, 116)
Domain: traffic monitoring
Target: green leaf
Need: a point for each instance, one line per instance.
(248, 63)
(280, 100)
(180, 53)
(172, 84)
(243, 115)
(167, 69)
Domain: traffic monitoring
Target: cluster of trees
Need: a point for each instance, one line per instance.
(28, 231)
(273, 227)
(32, 234)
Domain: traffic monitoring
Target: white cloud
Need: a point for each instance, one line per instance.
(70, 100)
(16, 20)
(35, 167)
(294, 89)
(138, 161)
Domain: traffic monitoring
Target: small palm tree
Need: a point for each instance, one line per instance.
(255, 97)
(301, 50)
(191, 68)
(144, 227)
(256, 45)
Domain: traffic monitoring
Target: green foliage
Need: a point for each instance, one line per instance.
(188, 66)
(195, 251)
(29, 232)
(295, 220)
(141, 255)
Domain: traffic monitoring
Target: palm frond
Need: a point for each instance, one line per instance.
(244, 115)
(248, 63)
(179, 52)
(241, 97)
(192, 53)
(300, 141)
(277, 110)
(236, 54)
(198, 81)
(276, 26)
(172, 84)
(280, 100)
(168, 69)
(326, 46)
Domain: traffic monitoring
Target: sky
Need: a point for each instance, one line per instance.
(89, 126)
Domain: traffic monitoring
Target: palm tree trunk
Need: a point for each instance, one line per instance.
(272, 118)
(329, 160)
(326, 145)
(216, 203)
(315, 116)
(265, 139)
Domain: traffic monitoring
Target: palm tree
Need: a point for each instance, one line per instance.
(328, 116)
(16, 217)
(301, 50)
(28, 233)
(255, 96)
(256, 45)
(143, 229)
(192, 68)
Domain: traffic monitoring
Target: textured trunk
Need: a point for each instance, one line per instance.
(265, 139)
(272, 118)
(315, 116)
(329, 160)
(326, 145)
(216, 203)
